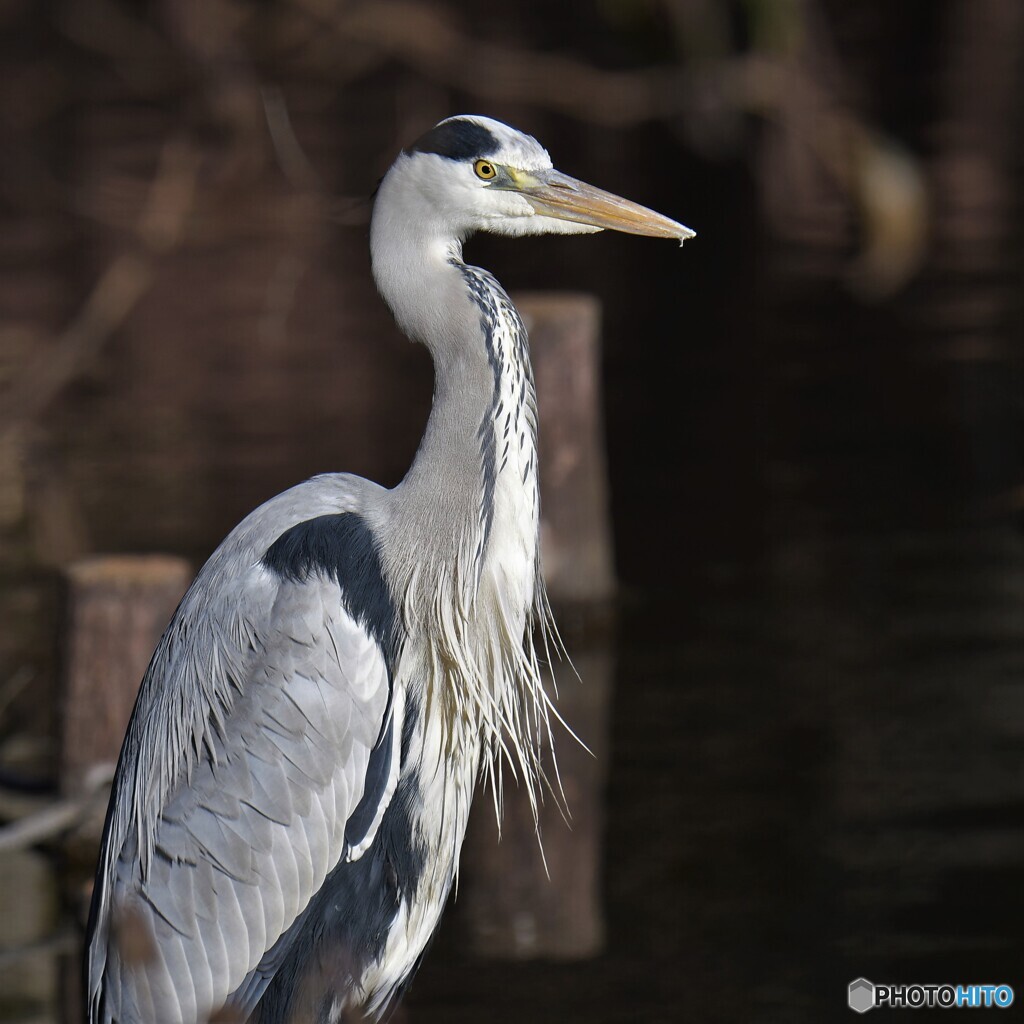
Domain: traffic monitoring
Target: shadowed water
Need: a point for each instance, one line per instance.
(815, 775)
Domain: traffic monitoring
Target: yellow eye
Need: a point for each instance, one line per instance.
(485, 169)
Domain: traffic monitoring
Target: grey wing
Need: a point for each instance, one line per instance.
(206, 871)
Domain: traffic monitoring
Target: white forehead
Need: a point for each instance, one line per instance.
(471, 136)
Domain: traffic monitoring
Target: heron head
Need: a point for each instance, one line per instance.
(476, 174)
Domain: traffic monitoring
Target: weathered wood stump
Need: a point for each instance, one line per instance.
(117, 609)
(565, 345)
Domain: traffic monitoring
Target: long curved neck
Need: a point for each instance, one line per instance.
(462, 528)
(482, 372)
(451, 456)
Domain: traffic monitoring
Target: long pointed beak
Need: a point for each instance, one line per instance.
(557, 195)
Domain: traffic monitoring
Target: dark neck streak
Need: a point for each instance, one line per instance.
(483, 296)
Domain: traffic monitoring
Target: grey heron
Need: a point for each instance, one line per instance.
(292, 793)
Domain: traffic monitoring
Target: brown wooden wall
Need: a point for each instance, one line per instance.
(189, 324)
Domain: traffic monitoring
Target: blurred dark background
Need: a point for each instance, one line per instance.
(814, 420)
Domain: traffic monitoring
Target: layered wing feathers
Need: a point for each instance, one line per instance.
(281, 696)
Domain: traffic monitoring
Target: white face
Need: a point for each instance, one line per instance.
(472, 173)
(469, 169)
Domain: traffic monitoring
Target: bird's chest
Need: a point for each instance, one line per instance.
(510, 553)
(510, 501)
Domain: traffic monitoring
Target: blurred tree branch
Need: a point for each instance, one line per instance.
(56, 817)
(116, 293)
(714, 86)
(883, 183)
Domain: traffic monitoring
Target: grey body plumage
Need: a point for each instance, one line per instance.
(292, 794)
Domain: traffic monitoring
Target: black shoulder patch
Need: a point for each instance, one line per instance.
(457, 140)
(343, 548)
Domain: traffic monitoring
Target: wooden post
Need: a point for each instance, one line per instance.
(508, 907)
(117, 609)
(565, 344)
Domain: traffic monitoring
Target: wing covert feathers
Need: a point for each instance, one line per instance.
(292, 700)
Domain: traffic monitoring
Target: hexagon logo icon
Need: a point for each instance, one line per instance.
(861, 995)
